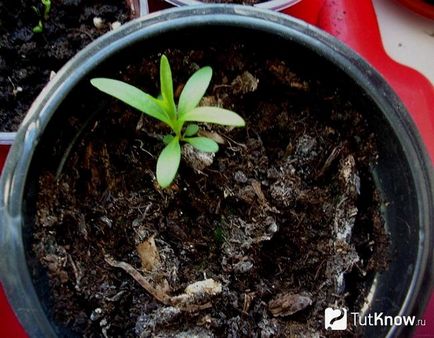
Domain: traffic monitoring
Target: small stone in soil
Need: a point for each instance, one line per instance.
(272, 226)
(98, 22)
(115, 25)
(240, 177)
(96, 314)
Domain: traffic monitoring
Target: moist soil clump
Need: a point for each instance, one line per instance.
(27, 59)
(255, 241)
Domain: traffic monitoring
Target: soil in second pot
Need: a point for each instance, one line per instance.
(27, 59)
(255, 241)
(242, 2)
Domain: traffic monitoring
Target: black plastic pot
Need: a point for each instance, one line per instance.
(403, 175)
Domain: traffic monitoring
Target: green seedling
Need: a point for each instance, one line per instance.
(47, 8)
(163, 108)
(38, 28)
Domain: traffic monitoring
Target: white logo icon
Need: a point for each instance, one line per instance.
(335, 319)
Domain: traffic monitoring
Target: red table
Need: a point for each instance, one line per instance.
(354, 23)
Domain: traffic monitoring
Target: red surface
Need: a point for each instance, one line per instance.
(354, 23)
(3, 153)
(9, 325)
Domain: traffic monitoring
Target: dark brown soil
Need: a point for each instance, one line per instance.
(27, 59)
(286, 218)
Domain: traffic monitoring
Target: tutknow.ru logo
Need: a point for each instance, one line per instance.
(337, 319)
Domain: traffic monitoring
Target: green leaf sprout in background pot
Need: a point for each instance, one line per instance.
(164, 109)
(42, 17)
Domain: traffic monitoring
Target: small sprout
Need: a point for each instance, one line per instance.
(47, 8)
(191, 130)
(39, 27)
(163, 108)
(36, 10)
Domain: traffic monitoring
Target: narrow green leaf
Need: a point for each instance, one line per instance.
(38, 28)
(167, 139)
(166, 84)
(36, 10)
(203, 144)
(47, 8)
(214, 115)
(191, 130)
(168, 163)
(132, 96)
(194, 90)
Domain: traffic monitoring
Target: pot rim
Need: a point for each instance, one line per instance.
(18, 162)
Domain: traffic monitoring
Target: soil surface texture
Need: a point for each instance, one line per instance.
(255, 241)
(28, 59)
